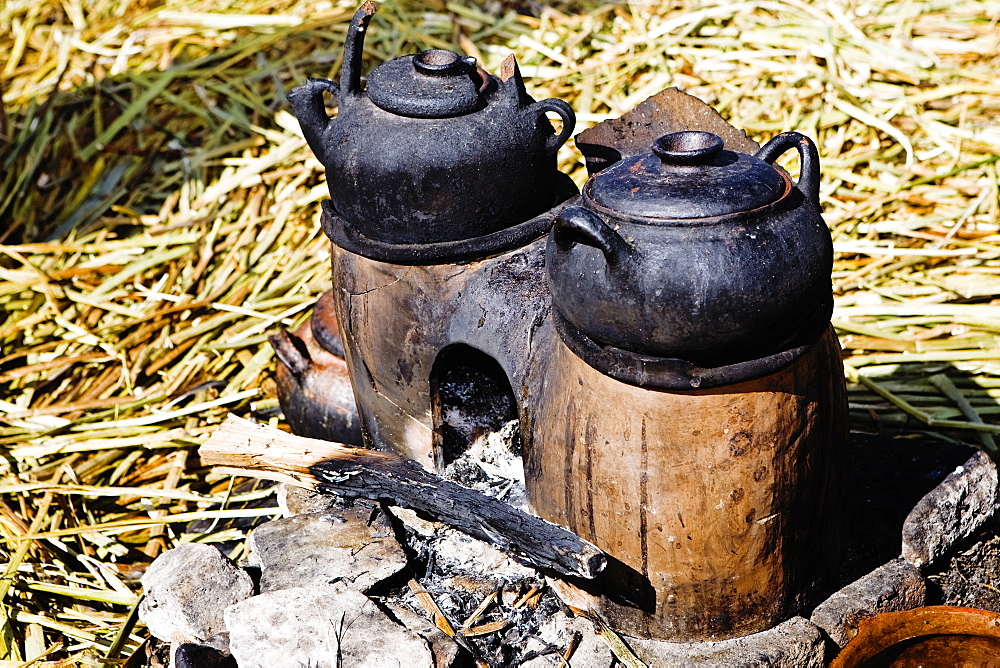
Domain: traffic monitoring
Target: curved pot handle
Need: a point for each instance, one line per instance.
(567, 115)
(808, 157)
(576, 224)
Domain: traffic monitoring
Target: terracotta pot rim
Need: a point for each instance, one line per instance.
(887, 629)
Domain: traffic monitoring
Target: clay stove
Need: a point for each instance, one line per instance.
(716, 498)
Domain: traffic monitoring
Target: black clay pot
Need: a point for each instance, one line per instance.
(435, 148)
(695, 252)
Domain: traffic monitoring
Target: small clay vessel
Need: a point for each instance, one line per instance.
(932, 637)
(314, 387)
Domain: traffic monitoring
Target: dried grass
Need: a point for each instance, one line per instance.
(159, 218)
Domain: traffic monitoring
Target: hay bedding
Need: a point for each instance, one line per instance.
(159, 218)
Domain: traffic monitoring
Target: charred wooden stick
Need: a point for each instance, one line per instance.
(261, 451)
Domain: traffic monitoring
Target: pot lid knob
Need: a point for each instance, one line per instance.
(442, 63)
(690, 147)
(431, 84)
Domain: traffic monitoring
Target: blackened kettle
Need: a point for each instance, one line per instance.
(694, 252)
(434, 148)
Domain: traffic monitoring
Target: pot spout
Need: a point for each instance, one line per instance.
(578, 225)
(512, 83)
(307, 99)
(310, 110)
(350, 68)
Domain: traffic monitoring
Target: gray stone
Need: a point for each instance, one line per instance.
(559, 631)
(187, 589)
(321, 548)
(294, 500)
(446, 651)
(891, 587)
(797, 643)
(953, 510)
(323, 626)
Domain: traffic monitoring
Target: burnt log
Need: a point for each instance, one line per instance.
(247, 448)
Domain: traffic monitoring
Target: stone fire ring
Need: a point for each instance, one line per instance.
(960, 505)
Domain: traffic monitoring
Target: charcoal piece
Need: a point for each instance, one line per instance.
(190, 655)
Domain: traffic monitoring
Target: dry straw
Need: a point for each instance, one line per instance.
(159, 218)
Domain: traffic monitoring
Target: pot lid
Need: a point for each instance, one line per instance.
(431, 84)
(687, 175)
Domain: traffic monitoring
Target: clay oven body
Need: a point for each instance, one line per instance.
(687, 414)
(721, 504)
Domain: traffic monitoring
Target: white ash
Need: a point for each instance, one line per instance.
(492, 465)
(509, 646)
(460, 572)
(556, 635)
